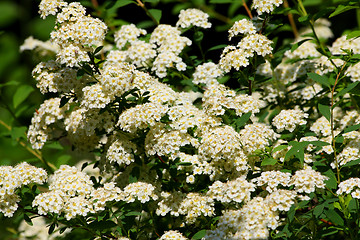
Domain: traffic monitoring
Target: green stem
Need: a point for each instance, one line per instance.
(142, 5)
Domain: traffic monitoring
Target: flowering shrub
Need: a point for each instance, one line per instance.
(259, 142)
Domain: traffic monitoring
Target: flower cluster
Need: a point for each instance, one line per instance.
(12, 178)
(351, 185)
(289, 119)
(193, 17)
(252, 43)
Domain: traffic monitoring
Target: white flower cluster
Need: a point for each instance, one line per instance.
(12, 178)
(52, 77)
(351, 185)
(307, 179)
(176, 235)
(237, 190)
(256, 136)
(252, 43)
(38, 230)
(242, 26)
(221, 145)
(193, 17)
(266, 6)
(40, 129)
(141, 191)
(192, 205)
(321, 127)
(207, 74)
(121, 151)
(75, 33)
(217, 98)
(127, 34)
(289, 119)
(272, 179)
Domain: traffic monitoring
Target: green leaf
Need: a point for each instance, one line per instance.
(21, 94)
(318, 210)
(101, 225)
(334, 217)
(279, 148)
(352, 163)
(331, 182)
(98, 49)
(28, 219)
(242, 120)
(325, 111)
(198, 36)
(18, 132)
(268, 161)
(298, 44)
(308, 3)
(352, 128)
(118, 4)
(9, 12)
(199, 235)
(221, 46)
(353, 34)
(133, 213)
(222, 1)
(156, 13)
(51, 228)
(342, 8)
(347, 89)
(320, 79)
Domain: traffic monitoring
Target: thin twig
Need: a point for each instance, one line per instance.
(215, 14)
(332, 121)
(36, 153)
(247, 9)
(291, 20)
(142, 5)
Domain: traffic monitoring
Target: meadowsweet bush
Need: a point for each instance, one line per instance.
(260, 141)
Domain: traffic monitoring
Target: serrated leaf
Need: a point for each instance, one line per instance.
(320, 79)
(325, 111)
(156, 13)
(341, 9)
(268, 161)
(199, 235)
(21, 94)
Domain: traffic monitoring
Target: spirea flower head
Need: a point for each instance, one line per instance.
(256, 136)
(50, 7)
(141, 116)
(272, 179)
(351, 185)
(127, 33)
(40, 129)
(289, 119)
(207, 74)
(172, 234)
(237, 190)
(307, 180)
(265, 6)
(242, 26)
(140, 191)
(70, 181)
(193, 17)
(12, 178)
